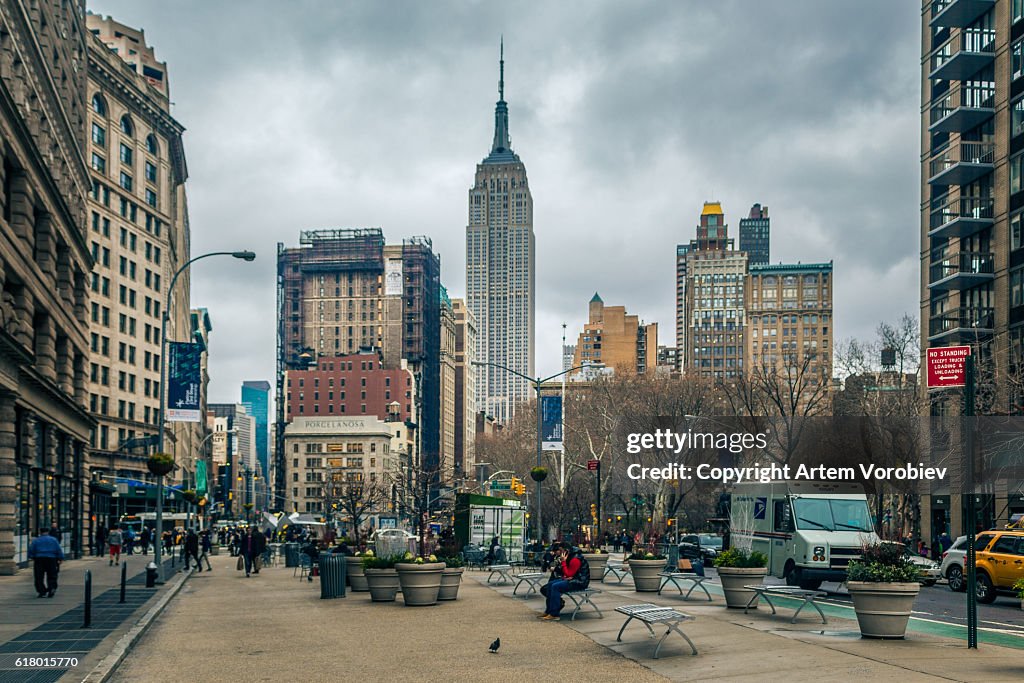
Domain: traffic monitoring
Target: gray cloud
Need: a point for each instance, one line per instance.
(627, 115)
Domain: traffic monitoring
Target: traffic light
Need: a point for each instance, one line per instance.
(593, 511)
(522, 488)
(514, 486)
(669, 521)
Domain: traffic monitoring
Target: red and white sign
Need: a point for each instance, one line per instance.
(946, 366)
(593, 465)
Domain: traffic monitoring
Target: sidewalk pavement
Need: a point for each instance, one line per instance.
(275, 627)
(52, 627)
(734, 645)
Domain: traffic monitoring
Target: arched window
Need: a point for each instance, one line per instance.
(151, 145)
(98, 105)
(126, 126)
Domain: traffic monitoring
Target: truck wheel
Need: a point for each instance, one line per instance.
(986, 591)
(810, 585)
(955, 575)
(793, 575)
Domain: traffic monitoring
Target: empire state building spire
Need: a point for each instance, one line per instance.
(501, 148)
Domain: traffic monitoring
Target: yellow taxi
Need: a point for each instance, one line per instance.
(999, 562)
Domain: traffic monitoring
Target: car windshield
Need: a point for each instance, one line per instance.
(832, 514)
(711, 541)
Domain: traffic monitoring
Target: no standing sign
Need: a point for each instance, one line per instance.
(946, 366)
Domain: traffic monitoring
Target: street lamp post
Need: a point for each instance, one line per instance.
(245, 256)
(537, 383)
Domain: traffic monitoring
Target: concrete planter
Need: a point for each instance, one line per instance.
(733, 581)
(883, 609)
(356, 577)
(382, 583)
(451, 579)
(597, 562)
(420, 582)
(645, 575)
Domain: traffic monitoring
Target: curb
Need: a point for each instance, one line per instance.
(108, 664)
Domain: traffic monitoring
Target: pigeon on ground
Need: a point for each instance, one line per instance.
(494, 646)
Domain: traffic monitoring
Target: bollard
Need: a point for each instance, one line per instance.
(124, 578)
(151, 575)
(88, 599)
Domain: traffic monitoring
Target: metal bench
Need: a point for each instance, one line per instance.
(581, 598)
(619, 571)
(696, 581)
(532, 579)
(503, 572)
(649, 613)
(808, 597)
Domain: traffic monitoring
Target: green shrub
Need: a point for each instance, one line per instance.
(741, 558)
(646, 555)
(1019, 587)
(453, 561)
(883, 563)
(374, 562)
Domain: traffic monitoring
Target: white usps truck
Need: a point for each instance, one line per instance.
(809, 530)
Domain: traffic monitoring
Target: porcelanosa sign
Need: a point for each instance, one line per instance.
(331, 426)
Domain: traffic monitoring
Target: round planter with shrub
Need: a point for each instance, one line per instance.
(598, 561)
(420, 579)
(739, 567)
(451, 578)
(381, 577)
(883, 584)
(646, 569)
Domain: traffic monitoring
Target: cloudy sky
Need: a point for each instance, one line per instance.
(628, 116)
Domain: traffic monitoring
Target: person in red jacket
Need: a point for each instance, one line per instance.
(573, 573)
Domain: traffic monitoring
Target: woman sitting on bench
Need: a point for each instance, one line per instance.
(573, 572)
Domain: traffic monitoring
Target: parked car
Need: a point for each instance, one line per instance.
(927, 569)
(704, 546)
(952, 566)
(393, 533)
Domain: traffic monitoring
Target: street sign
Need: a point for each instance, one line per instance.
(946, 366)
(593, 465)
(501, 485)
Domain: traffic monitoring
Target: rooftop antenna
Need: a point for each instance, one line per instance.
(501, 76)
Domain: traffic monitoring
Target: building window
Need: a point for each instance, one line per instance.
(150, 197)
(150, 172)
(1017, 11)
(126, 181)
(1016, 166)
(126, 154)
(99, 134)
(99, 163)
(1017, 117)
(126, 126)
(151, 145)
(1015, 231)
(1017, 287)
(99, 105)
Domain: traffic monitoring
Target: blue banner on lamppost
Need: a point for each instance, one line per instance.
(551, 423)
(184, 382)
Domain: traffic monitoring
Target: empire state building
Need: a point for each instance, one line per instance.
(500, 270)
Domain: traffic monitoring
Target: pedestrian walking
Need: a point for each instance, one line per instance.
(129, 541)
(144, 538)
(191, 546)
(101, 539)
(115, 539)
(205, 545)
(46, 555)
(259, 547)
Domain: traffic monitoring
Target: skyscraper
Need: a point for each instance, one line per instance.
(500, 269)
(755, 235)
(256, 399)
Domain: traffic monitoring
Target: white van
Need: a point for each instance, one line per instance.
(809, 530)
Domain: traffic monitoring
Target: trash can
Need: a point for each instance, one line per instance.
(333, 568)
(291, 554)
(151, 575)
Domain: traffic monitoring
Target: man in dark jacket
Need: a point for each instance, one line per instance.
(245, 544)
(259, 546)
(192, 549)
(46, 554)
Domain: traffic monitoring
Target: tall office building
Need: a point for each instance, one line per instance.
(789, 319)
(344, 290)
(44, 275)
(138, 233)
(755, 235)
(500, 270)
(617, 340)
(711, 278)
(972, 208)
(256, 399)
(465, 390)
(447, 392)
(237, 478)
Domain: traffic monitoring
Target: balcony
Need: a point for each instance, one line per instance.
(961, 164)
(958, 13)
(961, 323)
(963, 55)
(961, 217)
(962, 270)
(961, 109)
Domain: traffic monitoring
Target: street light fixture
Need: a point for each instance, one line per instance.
(243, 255)
(537, 384)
